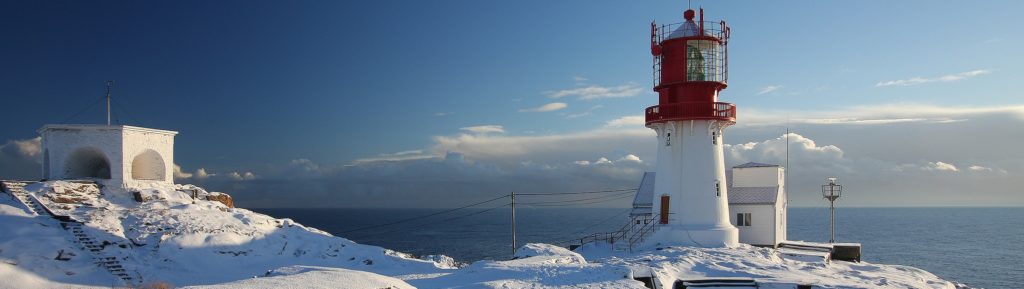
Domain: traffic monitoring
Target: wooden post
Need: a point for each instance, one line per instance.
(513, 224)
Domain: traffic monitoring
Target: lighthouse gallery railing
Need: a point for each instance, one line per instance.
(691, 111)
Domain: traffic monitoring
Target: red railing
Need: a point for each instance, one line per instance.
(723, 111)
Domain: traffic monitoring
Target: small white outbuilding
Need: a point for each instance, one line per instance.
(124, 155)
(757, 202)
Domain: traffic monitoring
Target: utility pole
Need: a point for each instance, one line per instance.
(110, 84)
(832, 191)
(513, 224)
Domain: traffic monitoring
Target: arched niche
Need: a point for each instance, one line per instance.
(46, 163)
(87, 162)
(148, 165)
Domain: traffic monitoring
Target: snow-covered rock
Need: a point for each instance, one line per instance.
(180, 240)
(549, 253)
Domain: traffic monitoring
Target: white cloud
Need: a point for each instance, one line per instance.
(876, 115)
(585, 113)
(582, 163)
(940, 166)
(439, 114)
(399, 156)
(627, 121)
(944, 78)
(483, 129)
(598, 92)
(247, 176)
(179, 174)
(546, 108)
(561, 148)
(630, 158)
(769, 89)
(602, 161)
(801, 149)
(579, 79)
(977, 168)
(202, 174)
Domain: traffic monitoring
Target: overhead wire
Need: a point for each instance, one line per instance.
(475, 213)
(574, 193)
(423, 216)
(127, 113)
(577, 200)
(582, 202)
(83, 110)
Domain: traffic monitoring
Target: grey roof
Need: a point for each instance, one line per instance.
(644, 195)
(746, 195)
(753, 195)
(686, 29)
(755, 165)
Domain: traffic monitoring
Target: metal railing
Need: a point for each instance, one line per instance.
(716, 29)
(723, 111)
(628, 233)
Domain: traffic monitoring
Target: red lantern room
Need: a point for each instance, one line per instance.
(690, 68)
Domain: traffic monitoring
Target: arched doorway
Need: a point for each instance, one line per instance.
(148, 165)
(87, 162)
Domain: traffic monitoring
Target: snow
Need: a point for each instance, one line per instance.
(316, 277)
(29, 246)
(175, 239)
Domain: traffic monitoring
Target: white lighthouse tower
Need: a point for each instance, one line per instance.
(690, 197)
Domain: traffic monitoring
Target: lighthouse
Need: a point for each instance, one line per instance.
(690, 201)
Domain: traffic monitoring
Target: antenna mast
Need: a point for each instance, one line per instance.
(110, 85)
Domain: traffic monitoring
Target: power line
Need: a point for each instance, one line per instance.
(602, 221)
(583, 203)
(423, 216)
(475, 213)
(83, 110)
(127, 113)
(578, 200)
(575, 193)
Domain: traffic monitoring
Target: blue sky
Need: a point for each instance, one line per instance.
(259, 86)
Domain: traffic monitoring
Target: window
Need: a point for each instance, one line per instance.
(743, 220)
(668, 139)
(718, 189)
(714, 137)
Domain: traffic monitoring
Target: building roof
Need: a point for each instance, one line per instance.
(755, 165)
(751, 195)
(642, 203)
(95, 127)
(644, 196)
(686, 29)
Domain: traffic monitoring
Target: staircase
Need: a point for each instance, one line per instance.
(88, 243)
(17, 189)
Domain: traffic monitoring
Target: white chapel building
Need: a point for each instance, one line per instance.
(123, 155)
(757, 202)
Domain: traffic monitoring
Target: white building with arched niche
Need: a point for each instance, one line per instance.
(125, 155)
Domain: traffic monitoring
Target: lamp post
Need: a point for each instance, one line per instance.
(832, 191)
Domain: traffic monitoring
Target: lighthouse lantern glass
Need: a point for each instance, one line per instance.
(705, 61)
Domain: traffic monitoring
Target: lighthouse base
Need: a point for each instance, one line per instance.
(697, 236)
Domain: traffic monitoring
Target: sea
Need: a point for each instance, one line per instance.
(980, 247)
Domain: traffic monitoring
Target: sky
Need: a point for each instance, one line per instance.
(438, 103)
